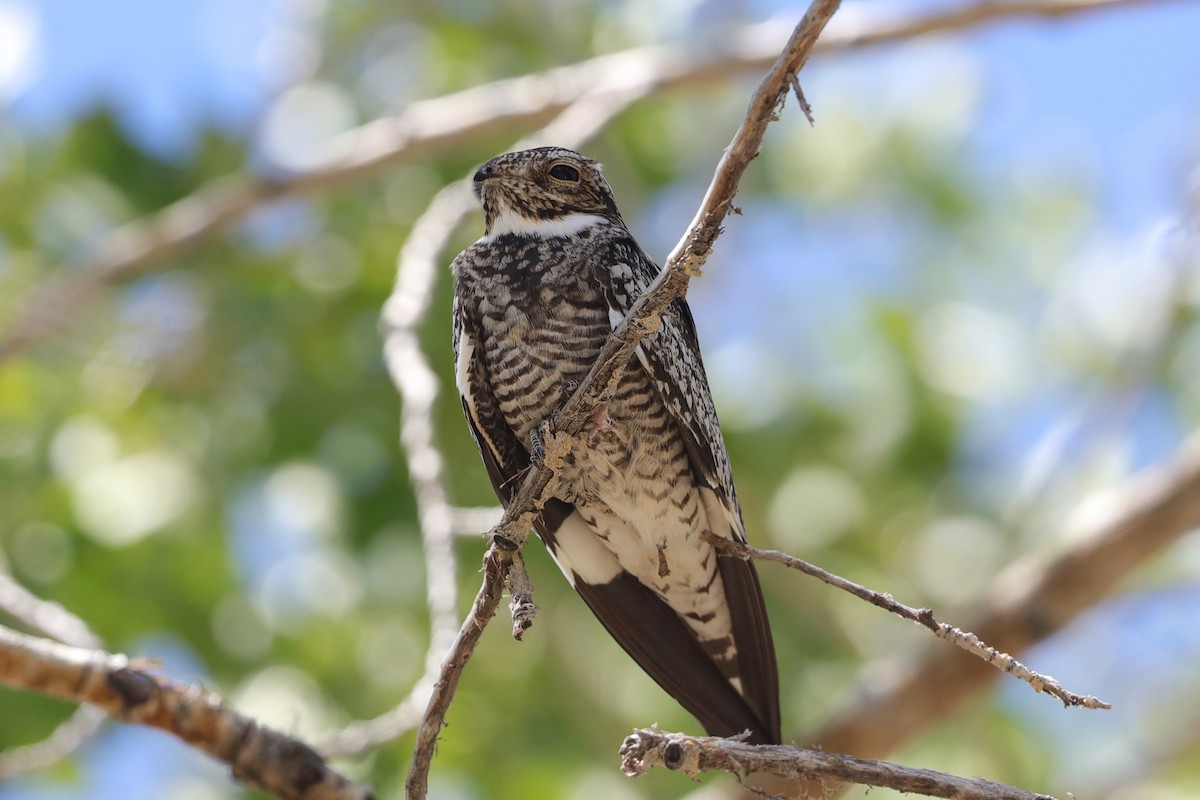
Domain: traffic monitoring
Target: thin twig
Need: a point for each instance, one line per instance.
(257, 756)
(690, 254)
(453, 122)
(922, 616)
(691, 755)
(1028, 602)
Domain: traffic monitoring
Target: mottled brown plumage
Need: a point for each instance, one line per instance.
(535, 299)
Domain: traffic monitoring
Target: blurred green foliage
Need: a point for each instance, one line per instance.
(207, 454)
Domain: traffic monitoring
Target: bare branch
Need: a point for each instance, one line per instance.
(922, 616)
(455, 121)
(496, 564)
(691, 755)
(258, 757)
(1030, 601)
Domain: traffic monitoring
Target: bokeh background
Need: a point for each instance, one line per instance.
(951, 311)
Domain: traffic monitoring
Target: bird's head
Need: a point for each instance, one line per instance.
(547, 191)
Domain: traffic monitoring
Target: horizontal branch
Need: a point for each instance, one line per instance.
(258, 757)
(452, 123)
(691, 755)
(922, 616)
(1029, 602)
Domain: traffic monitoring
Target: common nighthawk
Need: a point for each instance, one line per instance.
(534, 301)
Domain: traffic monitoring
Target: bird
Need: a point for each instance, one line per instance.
(535, 298)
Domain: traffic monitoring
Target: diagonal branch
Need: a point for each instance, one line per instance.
(685, 262)
(691, 755)
(258, 757)
(455, 121)
(1030, 601)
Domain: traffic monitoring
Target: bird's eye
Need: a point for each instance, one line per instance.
(564, 172)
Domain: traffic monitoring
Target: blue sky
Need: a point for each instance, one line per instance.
(167, 70)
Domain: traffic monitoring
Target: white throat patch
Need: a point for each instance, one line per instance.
(508, 222)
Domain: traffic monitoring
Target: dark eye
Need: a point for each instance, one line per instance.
(564, 172)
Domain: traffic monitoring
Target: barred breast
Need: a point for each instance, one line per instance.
(536, 350)
(544, 323)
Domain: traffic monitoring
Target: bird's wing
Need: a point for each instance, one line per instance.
(504, 455)
(672, 359)
(644, 625)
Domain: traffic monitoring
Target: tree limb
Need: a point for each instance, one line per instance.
(258, 757)
(691, 755)
(1028, 602)
(455, 121)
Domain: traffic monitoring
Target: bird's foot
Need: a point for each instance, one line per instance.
(537, 446)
